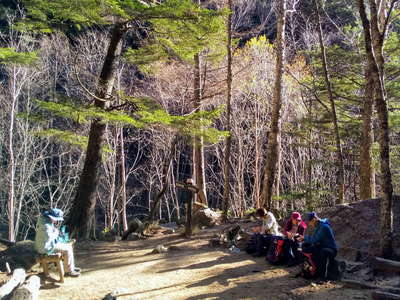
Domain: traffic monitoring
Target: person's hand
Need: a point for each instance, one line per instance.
(300, 238)
(289, 235)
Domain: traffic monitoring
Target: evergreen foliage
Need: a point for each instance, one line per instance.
(10, 56)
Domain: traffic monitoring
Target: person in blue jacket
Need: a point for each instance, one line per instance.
(48, 240)
(321, 243)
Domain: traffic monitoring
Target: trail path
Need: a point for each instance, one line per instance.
(196, 271)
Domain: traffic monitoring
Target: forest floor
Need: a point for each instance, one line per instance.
(194, 270)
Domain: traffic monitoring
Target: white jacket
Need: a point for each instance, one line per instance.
(270, 225)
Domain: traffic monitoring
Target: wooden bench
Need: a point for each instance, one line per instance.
(57, 258)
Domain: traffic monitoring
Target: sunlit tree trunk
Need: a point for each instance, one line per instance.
(228, 141)
(122, 182)
(386, 212)
(273, 144)
(198, 144)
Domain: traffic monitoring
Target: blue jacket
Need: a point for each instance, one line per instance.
(323, 235)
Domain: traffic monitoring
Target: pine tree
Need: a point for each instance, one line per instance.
(176, 16)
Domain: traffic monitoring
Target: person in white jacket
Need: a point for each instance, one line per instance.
(264, 233)
(48, 241)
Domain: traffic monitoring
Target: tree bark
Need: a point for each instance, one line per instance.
(386, 212)
(228, 141)
(84, 202)
(122, 182)
(339, 152)
(198, 148)
(273, 147)
(367, 182)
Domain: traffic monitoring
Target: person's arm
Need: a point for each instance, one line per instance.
(302, 228)
(287, 227)
(316, 237)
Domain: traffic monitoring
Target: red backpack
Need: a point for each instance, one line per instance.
(275, 255)
(308, 267)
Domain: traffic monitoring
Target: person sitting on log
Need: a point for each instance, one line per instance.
(321, 244)
(48, 240)
(265, 231)
(294, 228)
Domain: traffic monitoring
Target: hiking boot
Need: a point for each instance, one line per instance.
(73, 274)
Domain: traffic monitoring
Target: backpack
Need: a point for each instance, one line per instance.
(275, 255)
(308, 267)
(336, 269)
(251, 246)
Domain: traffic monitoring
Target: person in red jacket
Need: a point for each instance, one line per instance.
(294, 228)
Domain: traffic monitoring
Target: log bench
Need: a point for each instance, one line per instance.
(57, 259)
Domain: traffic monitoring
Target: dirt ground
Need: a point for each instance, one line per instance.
(193, 271)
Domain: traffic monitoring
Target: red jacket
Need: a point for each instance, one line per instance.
(300, 230)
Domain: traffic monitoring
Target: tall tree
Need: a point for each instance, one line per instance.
(228, 140)
(328, 83)
(44, 14)
(273, 147)
(199, 176)
(386, 212)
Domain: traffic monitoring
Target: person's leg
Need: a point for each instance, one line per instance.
(259, 245)
(326, 256)
(288, 251)
(68, 256)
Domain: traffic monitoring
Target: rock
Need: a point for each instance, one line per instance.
(159, 249)
(206, 217)
(21, 255)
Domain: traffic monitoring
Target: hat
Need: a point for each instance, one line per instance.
(55, 214)
(296, 216)
(311, 215)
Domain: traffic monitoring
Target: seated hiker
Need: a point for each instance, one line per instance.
(265, 231)
(294, 228)
(321, 244)
(48, 240)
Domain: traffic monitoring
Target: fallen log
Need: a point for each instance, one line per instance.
(363, 285)
(358, 284)
(28, 291)
(17, 278)
(382, 264)
(379, 295)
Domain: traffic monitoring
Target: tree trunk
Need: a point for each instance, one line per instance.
(198, 149)
(228, 141)
(11, 171)
(339, 153)
(84, 202)
(165, 177)
(386, 212)
(122, 180)
(367, 183)
(273, 145)
(258, 158)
